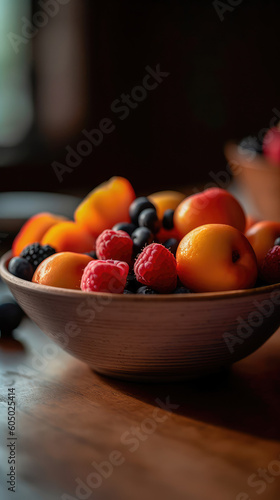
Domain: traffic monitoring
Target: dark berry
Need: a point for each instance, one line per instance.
(125, 226)
(21, 268)
(277, 242)
(141, 236)
(35, 253)
(181, 289)
(92, 254)
(10, 317)
(131, 283)
(137, 206)
(167, 220)
(128, 292)
(172, 245)
(145, 290)
(148, 218)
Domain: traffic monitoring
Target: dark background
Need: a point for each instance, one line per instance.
(224, 81)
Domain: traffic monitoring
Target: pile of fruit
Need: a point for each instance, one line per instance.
(163, 243)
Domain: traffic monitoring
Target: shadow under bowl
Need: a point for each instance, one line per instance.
(151, 338)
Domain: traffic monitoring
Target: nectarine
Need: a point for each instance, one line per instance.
(212, 206)
(216, 257)
(262, 236)
(64, 270)
(69, 237)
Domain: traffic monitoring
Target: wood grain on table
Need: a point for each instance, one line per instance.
(219, 432)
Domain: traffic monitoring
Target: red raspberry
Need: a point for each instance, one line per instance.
(116, 245)
(156, 267)
(270, 269)
(271, 145)
(105, 276)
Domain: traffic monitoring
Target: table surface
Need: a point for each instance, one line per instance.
(197, 440)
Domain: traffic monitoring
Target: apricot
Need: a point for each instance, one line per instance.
(216, 257)
(69, 237)
(105, 206)
(64, 270)
(262, 236)
(212, 206)
(164, 200)
(34, 229)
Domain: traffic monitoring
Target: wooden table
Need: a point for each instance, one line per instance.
(218, 433)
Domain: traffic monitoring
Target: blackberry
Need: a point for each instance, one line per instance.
(35, 253)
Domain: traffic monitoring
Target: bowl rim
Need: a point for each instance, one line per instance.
(193, 296)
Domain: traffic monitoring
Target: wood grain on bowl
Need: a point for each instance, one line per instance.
(153, 338)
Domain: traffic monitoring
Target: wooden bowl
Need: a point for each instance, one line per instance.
(152, 338)
(257, 177)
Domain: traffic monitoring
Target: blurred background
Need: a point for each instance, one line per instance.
(64, 62)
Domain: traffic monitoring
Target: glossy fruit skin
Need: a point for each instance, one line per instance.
(271, 145)
(34, 229)
(10, 317)
(216, 257)
(105, 276)
(69, 237)
(148, 218)
(36, 253)
(63, 269)
(21, 268)
(168, 219)
(128, 227)
(262, 236)
(270, 270)
(212, 206)
(145, 290)
(277, 242)
(114, 245)
(156, 268)
(105, 206)
(141, 236)
(171, 245)
(137, 206)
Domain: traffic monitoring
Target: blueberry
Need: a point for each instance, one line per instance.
(128, 292)
(10, 317)
(125, 226)
(92, 254)
(21, 268)
(131, 283)
(141, 236)
(167, 220)
(145, 290)
(172, 245)
(137, 206)
(181, 289)
(148, 218)
(277, 242)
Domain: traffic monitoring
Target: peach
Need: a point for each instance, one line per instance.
(69, 237)
(212, 206)
(164, 200)
(105, 206)
(216, 257)
(262, 236)
(64, 270)
(34, 229)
